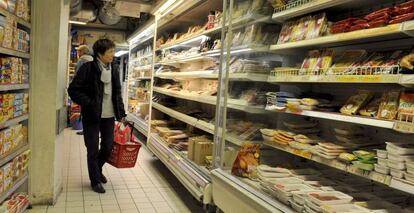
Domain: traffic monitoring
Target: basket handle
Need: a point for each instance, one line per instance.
(130, 149)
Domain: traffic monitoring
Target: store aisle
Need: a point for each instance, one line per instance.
(149, 187)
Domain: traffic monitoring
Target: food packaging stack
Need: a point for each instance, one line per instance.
(278, 100)
(328, 150)
(277, 137)
(302, 127)
(400, 160)
(16, 203)
(316, 201)
(365, 160)
(268, 175)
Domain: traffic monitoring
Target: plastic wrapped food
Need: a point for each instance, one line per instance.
(247, 161)
(311, 64)
(382, 169)
(371, 109)
(346, 60)
(402, 18)
(406, 106)
(329, 198)
(389, 105)
(379, 14)
(355, 102)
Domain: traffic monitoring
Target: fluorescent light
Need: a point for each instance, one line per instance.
(120, 53)
(171, 8)
(145, 33)
(164, 6)
(202, 37)
(77, 22)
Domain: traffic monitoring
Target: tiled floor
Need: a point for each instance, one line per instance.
(149, 187)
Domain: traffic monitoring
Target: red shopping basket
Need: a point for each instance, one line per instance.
(124, 155)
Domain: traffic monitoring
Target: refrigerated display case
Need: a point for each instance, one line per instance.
(140, 69)
(332, 124)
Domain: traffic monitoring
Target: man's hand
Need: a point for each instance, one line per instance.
(123, 120)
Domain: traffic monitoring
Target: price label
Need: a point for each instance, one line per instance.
(338, 165)
(302, 153)
(375, 176)
(404, 127)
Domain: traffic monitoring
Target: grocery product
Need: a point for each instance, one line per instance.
(355, 102)
(346, 61)
(382, 169)
(327, 198)
(371, 109)
(389, 105)
(406, 106)
(247, 160)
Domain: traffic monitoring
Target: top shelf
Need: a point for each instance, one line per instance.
(393, 31)
(302, 7)
(18, 19)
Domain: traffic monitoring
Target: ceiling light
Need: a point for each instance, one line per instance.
(146, 33)
(164, 7)
(120, 53)
(77, 22)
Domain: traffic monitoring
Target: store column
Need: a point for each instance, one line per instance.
(49, 67)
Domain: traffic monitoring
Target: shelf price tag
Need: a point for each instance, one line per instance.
(302, 153)
(404, 127)
(381, 178)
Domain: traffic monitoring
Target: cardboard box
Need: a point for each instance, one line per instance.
(201, 150)
(190, 149)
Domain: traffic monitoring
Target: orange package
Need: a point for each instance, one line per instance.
(247, 161)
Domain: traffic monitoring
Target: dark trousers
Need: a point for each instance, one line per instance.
(97, 157)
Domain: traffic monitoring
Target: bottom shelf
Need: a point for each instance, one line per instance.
(229, 191)
(193, 179)
(9, 192)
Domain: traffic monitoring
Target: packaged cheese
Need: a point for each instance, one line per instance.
(406, 106)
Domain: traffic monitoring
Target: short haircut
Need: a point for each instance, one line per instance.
(85, 49)
(101, 46)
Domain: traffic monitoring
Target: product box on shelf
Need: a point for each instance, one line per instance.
(201, 150)
(16, 203)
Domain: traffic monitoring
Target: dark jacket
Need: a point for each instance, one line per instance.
(86, 89)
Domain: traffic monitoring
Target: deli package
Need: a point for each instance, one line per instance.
(406, 106)
(247, 161)
(389, 105)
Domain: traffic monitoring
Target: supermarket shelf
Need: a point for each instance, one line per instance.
(361, 120)
(192, 179)
(229, 191)
(187, 59)
(14, 121)
(18, 19)
(8, 87)
(175, 114)
(374, 176)
(393, 31)
(14, 53)
(312, 6)
(140, 124)
(391, 79)
(199, 124)
(17, 152)
(24, 208)
(191, 39)
(234, 104)
(9, 192)
(248, 49)
(211, 74)
(145, 67)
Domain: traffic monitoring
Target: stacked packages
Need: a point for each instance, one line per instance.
(12, 138)
(11, 172)
(16, 203)
(13, 71)
(13, 105)
(11, 37)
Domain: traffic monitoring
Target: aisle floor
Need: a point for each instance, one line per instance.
(149, 187)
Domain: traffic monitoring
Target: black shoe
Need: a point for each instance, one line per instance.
(98, 188)
(103, 179)
(80, 133)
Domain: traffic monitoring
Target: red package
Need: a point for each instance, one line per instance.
(359, 27)
(407, 4)
(346, 21)
(360, 21)
(122, 133)
(340, 28)
(379, 14)
(402, 18)
(378, 23)
(402, 10)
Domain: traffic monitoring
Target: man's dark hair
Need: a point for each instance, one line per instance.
(101, 46)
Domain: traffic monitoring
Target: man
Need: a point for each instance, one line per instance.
(97, 89)
(84, 54)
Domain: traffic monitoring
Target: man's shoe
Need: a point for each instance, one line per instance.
(98, 188)
(103, 179)
(80, 133)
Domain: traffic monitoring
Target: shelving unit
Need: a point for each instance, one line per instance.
(20, 184)
(139, 124)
